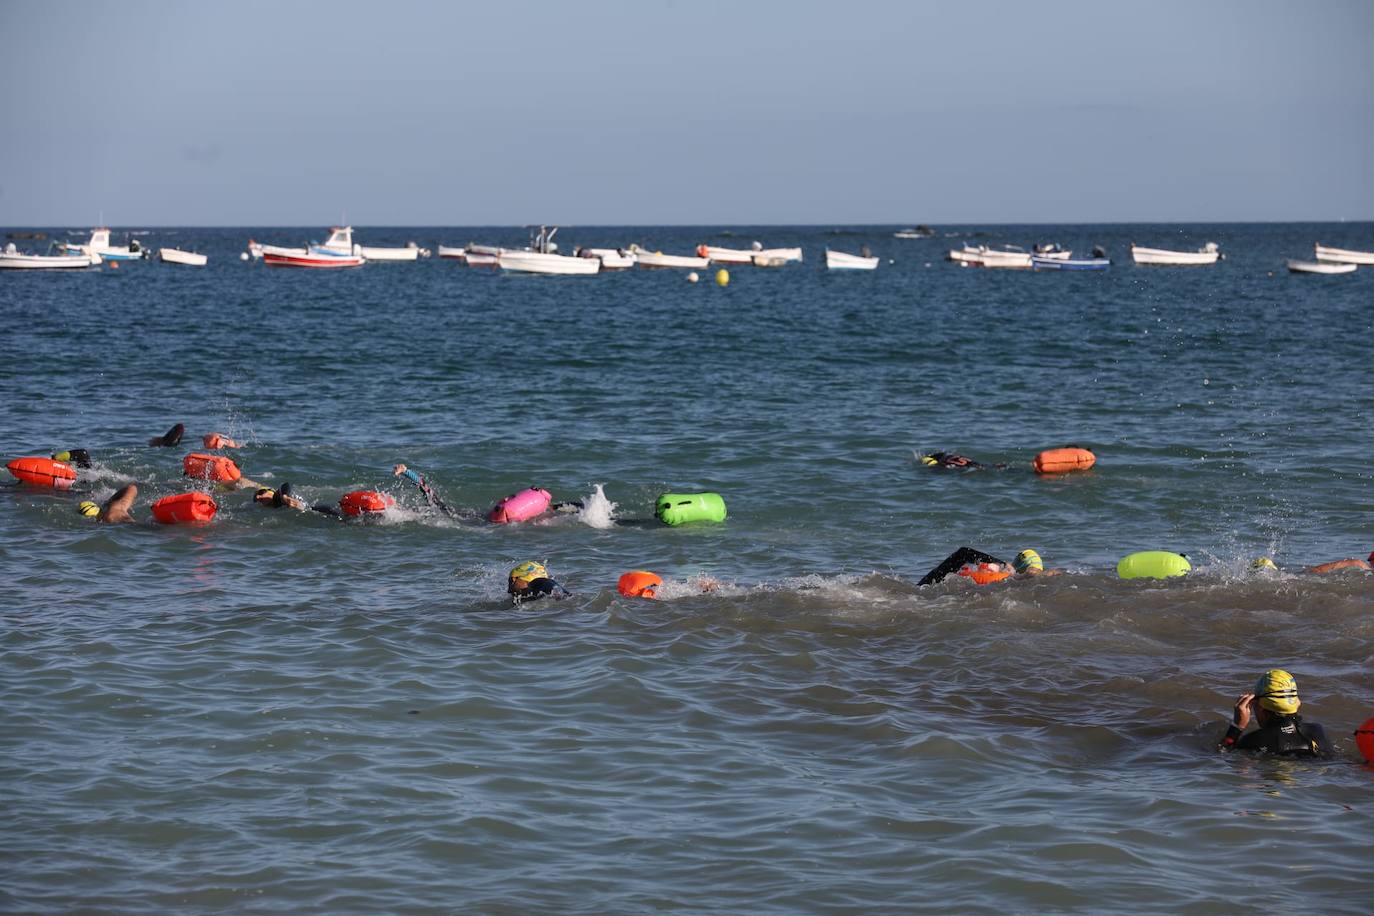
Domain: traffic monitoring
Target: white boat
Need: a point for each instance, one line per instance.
(1207, 254)
(481, 255)
(177, 256)
(457, 254)
(750, 255)
(312, 258)
(340, 243)
(99, 244)
(13, 259)
(968, 256)
(1343, 255)
(1007, 258)
(411, 252)
(655, 260)
(920, 232)
(258, 250)
(838, 260)
(1052, 252)
(611, 258)
(540, 258)
(1321, 267)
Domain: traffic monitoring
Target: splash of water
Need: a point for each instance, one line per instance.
(597, 511)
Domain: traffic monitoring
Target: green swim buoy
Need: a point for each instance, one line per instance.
(680, 508)
(1153, 564)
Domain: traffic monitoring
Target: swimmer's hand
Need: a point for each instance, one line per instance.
(1242, 714)
(398, 470)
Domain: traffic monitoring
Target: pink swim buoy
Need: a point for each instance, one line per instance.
(519, 507)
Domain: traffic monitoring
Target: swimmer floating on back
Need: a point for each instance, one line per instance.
(1274, 705)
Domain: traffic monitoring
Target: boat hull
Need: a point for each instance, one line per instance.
(537, 262)
(177, 256)
(654, 261)
(453, 254)
(839, 260)
(1040, 263)
(47, 261)
(1321, 267)
(1163, 257)
(1343, 255)
(390, 254)
(322, 261)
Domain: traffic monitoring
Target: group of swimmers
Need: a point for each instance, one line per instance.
(1272, 705)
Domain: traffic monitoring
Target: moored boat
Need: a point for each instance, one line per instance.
(920, 232)
(1164, 257)
(540, 258)
(410, 252)
(1044, 263)
(967, 256)
(611, 258)
(311, 258)
(750, 255)
(57, 259)
(839, 260)
(655, 260)
(1342, 255)
(1053, 251)
(1007, 258)
(455, 254)
(1321, 267)
(177, 256)
(99, 244)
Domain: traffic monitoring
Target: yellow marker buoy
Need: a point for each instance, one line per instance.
(722, 277)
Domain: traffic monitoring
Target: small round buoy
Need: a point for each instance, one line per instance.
(692, 277)
(1364, 739)
(722, 277)
(243, 255)
(114, 265)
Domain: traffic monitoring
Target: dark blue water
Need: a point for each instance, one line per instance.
(281, 712)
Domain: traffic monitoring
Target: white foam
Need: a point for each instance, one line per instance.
(597, 511)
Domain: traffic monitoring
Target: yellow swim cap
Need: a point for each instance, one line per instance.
(88, 509)
(929, 461)
(528, 572)
(1027, 559)
(1263, 563)
(1277, 692)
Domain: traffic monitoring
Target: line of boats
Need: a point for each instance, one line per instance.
(541, 256)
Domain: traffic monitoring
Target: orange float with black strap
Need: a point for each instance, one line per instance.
(986, 573)
(210, 467)
(194, 508)
(364, 502)
(639, 583)
(1063, 460)
(43, 472)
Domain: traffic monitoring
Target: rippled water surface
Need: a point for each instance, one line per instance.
(281, 712)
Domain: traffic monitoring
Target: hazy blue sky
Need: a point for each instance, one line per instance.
(248, 113)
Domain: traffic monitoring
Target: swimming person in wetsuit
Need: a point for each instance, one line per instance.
(282, 496)
(170, 439)
(1027, 563)
(530, 581)
(77, 456)
(1274, 706)
(116, 508)
(954, 460)
(431, 497)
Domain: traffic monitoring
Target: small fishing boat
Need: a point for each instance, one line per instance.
(1343, 255)
(177, 256)
(839, 260)
(482, 255)
(1039, 262)
(655, 260)
(611, 258)
(57, 258)
(312, 258)
(540, 258)
(968, 256)
(455, 254)
(1052, 250)
(1163, 257)
(920, 232)
(1321, 267)
(99, 244)
(1006, 258)
(410, 252)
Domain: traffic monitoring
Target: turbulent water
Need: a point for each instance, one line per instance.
(283, 712)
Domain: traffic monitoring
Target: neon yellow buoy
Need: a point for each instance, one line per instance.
(722, 277)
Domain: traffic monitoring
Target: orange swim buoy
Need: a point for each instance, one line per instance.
(364, 502)
(185, 509)
(1063, 460)
(986, 573)
(639, 583)
(43, 472)
(219, 440)
(210, 467)
(1364, 739)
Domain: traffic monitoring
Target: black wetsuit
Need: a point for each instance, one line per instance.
(539, 588)
(956, 561)
(1285, 735)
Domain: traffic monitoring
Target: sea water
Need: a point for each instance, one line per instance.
(280, 712)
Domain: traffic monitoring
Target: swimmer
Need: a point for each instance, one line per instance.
(1274, 705)
(640, 583)
(77, 456)
(116, 508)
(170, 439)
(953, 460)
(282, 496)
(431, 497)
(219, 440)
(530, 581)
(1334, 565)
(1027, 563)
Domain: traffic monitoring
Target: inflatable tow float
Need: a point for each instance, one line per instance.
(193, 508)
(986, 573)
(520, 507)
(675, 509)
(1153, 564)
(639, 583)
(43, 472)
(364, 502)
(218, 468)
(1063, 460)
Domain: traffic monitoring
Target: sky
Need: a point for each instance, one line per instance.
(252, 113)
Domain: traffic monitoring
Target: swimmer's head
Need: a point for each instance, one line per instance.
(1277, 691)
(1263, 563)
(1027, 559)
(264, 495)
(929, 460)
(88, 509)
(522, 575)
